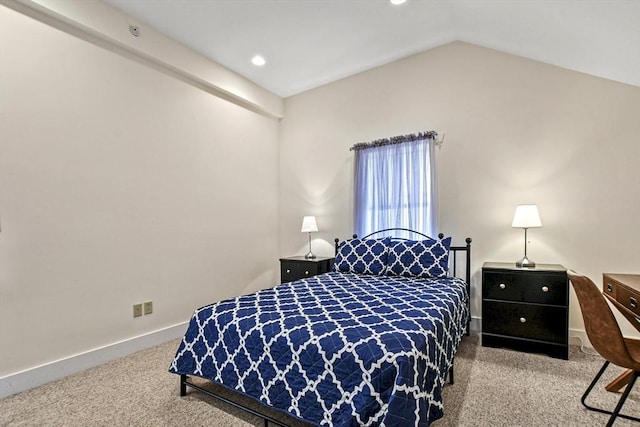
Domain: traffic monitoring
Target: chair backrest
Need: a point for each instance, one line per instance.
(601, 325)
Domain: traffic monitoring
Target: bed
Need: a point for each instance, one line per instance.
(370, 343)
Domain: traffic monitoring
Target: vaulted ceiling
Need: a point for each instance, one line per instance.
(308, 43)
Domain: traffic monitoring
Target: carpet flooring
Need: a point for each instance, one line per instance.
(493, 387)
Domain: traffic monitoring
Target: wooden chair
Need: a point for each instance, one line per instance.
(605, 336)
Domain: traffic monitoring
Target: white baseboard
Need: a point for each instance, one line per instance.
(476, 324)
(33, 377)
(579, 337)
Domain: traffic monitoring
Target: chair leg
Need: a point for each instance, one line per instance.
(615, 413)
(593, 383)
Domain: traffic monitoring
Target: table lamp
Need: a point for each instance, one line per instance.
(526, 216)
(309, 225)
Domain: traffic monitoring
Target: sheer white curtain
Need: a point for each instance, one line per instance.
(395, 184)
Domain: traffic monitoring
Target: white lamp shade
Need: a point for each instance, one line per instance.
(526, 216)
(309, 224)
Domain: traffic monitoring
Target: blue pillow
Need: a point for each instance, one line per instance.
(424, 258)
(362, 256)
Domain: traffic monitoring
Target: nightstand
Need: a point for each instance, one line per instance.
(298, 267)
(526, 309)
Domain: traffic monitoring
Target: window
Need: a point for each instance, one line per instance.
(395, 184)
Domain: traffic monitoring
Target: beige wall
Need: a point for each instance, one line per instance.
(118, 185)
(516, 131)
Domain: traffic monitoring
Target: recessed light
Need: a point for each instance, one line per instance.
(397, 2)
(258, 61)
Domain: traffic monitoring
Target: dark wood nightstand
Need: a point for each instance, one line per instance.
(298, 267)
(526, 309)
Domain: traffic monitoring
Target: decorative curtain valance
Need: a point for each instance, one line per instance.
(431, 134)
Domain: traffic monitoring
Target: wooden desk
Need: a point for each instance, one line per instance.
(623, 290)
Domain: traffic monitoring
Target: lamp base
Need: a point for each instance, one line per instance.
(525, 263)
(310, 254)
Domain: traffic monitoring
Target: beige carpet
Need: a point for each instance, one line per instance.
(493, 387)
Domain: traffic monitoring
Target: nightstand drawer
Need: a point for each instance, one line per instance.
(502, 286)
(525, 321)
(290, 271)
(296, 268)
(546, 289)
(539, 288)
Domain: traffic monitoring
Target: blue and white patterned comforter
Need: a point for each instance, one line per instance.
(337, 349)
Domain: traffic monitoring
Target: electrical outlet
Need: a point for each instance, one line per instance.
(137, 310)
(148, 307)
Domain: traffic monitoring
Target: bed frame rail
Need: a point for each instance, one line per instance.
(184, 383)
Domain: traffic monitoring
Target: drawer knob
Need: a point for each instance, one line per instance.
(502, 286)
(288, 271)
(545, 289)
(523, 320)
(633, 302)
(306, 272)
(609, 287)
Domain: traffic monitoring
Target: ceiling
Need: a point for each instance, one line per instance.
(308, 43)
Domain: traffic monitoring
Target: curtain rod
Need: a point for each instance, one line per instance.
(431, 134)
